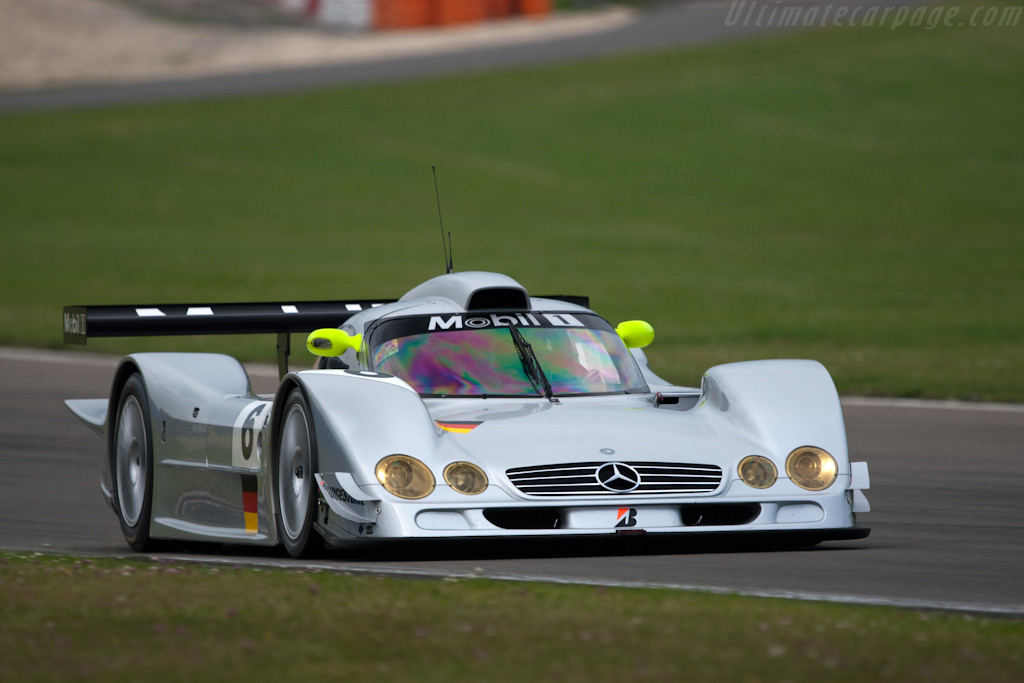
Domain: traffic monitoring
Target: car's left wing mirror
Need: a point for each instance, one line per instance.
(635, 334)
(330, 341)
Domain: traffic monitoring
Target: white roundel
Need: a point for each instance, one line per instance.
(247, 436)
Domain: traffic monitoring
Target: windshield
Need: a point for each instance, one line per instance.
(455, 355)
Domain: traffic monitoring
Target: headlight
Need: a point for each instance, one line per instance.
(757, 471)
(465, 477)
(405, 477)
(811, 468)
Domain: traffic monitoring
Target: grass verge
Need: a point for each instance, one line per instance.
(117, 620)
(847, 195)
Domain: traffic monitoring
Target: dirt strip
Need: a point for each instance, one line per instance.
(50, 43)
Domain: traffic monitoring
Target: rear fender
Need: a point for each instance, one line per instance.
(183, 390)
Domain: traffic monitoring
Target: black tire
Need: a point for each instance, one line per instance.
(131, 464)
(294, 488)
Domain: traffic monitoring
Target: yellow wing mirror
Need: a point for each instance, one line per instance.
(636, 334)
(330, 341)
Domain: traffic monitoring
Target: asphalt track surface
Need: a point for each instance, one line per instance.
(662, 26)
(947, 491)
(947, 497)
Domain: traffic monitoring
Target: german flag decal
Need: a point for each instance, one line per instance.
(249, 502)
(458, 427)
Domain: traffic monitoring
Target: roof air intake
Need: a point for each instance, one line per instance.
(498, 297)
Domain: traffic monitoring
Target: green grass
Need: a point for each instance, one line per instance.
(115, 620)
(846, 195)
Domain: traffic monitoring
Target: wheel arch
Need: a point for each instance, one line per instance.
(309, 543)
(126, 369)
(334, 451)
(288, 384)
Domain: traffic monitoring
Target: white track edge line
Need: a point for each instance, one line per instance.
(1015, 611)
(903, 603)
(929, 404)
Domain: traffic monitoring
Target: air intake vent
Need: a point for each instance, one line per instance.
(498, 297)
(523, 518)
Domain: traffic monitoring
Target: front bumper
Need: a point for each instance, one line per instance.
(827, 516)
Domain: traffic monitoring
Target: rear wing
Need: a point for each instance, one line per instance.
(281, 318)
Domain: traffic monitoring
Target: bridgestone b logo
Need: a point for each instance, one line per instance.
(460, 322)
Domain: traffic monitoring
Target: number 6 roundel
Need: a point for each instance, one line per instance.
(245, 450)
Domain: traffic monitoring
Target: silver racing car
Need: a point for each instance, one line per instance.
(466, 408)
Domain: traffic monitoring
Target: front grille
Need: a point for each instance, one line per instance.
(580, 479)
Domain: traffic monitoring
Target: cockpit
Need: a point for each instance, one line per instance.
(527, 354)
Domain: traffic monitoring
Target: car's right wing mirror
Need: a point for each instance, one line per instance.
(636, 334)
(330, 341)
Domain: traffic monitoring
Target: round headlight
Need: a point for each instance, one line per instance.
(757, 471)
(811, 468)
(405, 477)
(465, 477)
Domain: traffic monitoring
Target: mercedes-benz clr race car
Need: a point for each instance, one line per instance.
(467, 408)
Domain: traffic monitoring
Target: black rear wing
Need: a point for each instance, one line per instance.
(280, 318)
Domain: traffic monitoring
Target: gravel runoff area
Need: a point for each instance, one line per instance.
(53, 43)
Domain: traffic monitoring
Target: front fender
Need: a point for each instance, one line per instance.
(780, 404)
(361, 417)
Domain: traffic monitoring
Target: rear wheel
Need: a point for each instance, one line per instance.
(295, 490)
(132, 464)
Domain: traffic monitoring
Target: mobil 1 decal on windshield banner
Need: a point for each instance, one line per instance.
(247, 435)
(478, 322)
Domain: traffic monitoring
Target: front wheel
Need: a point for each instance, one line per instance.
(295, 490)
(132, 464)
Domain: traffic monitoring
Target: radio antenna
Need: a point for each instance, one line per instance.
(449, 266)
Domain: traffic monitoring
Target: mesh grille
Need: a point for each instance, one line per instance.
(580, 479)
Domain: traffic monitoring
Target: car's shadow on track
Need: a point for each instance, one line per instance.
(392, 551)
(503, 549)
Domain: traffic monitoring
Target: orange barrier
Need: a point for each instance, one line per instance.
(534, 8)
(389, 14)
(450, 12)
(499, 9)
(399, 14)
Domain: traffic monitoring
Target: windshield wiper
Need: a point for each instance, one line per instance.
(530, 363)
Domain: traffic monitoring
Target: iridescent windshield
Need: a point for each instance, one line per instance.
(455, 360)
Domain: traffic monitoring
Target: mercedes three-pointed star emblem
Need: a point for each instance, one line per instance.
(618, 477)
